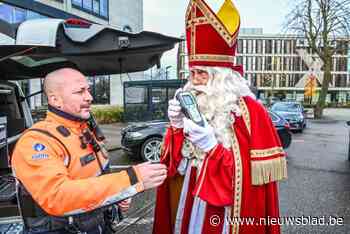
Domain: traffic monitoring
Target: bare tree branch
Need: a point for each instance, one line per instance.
(321, 22)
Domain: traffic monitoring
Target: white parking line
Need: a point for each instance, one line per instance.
(120, 166)
(300, 140)
(137, 221)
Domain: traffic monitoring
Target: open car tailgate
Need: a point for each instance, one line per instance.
(45, 45)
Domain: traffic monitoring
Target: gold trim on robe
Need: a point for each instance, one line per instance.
(237, 183)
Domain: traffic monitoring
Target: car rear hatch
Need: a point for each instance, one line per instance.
(44, 45)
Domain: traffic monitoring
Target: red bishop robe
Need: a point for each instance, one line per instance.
(242, 179)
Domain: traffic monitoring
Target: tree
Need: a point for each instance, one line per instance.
(321, 22)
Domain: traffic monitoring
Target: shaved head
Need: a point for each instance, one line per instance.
(55, 81)
(68, 90)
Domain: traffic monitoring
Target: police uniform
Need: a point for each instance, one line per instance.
(64, 178)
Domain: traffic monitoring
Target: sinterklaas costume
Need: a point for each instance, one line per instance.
(206, 192)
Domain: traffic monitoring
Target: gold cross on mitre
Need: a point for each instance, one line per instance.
(226, 21)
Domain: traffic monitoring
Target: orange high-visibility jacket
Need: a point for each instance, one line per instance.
(63, 186)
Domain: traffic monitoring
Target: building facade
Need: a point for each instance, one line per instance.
(281, 66)
(126, 15)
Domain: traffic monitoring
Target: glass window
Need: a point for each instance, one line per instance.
(136, 95)
(304, 66)
(287, 47)
(296, 64)
(258, 63)
(6, 12)
(19, 15)
(297, 77)
(254, 80)
(96, 7)
(251, 63)
(100, 89)
(77, 2)
(249, 46)
(158, 103)
(13, 14)
(34, 15)
(342, 47)
(258, 80)
(341, 64)
(278, 45)
(283, 80)
(268, 62)
(259, 46)
(87, 5)
(274, 117)
(285, 64)
(293, 46)
(245, 47)
(239, 60)
(268, 46)
(340, 80)
(240, 46)
(104, 8)
(287, 107)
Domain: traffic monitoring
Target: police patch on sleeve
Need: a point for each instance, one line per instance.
(39, 147)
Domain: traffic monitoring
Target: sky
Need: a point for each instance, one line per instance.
(167, 17)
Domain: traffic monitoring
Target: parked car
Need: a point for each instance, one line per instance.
(283, 129)
(143, 140)
(36, 47)
(293, 112)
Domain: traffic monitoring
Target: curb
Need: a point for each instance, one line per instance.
(324, 121)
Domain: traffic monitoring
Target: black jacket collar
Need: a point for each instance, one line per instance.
(65, 115)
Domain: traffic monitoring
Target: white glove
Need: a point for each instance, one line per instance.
(202, 137)
(174, 112)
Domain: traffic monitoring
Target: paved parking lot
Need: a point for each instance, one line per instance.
(317, 192)
(318, 184)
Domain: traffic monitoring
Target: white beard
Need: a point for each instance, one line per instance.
(219, 108)
(218, 101)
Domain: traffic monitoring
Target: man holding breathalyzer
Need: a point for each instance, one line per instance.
(222, 151)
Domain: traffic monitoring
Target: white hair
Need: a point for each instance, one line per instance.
(219, 99)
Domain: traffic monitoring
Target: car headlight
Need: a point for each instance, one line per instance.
(135, 134)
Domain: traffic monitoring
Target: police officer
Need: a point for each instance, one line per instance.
(63, 170)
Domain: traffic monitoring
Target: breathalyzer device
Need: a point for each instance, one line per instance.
(189, 107)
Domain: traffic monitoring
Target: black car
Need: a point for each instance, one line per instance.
(293, 112)
(283, 129)
(144, 139)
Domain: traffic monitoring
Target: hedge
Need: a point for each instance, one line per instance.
(105, 114)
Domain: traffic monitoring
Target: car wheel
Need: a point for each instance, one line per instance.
(150, 150)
